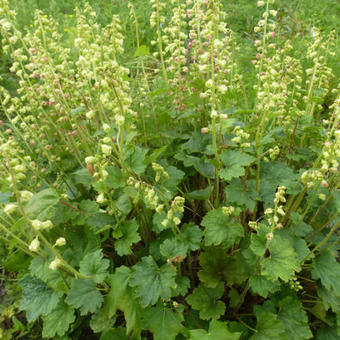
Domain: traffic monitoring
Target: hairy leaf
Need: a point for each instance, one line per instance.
(122, 297)
(217, 330)
(268, 326)
(192, 235)
(39, 267)
(95, 266)
(58, 321)
(240, 195)
(42, 205)
(206, 301)
(37, 299)
(282, 261)
(234, 162)
(214, 262)
(294, 318)
(219, 229)
(84, 295)
(115, 334)
(163, 323)
(151, 281)
(130, 236)
(172, 248)
(114, 179)
(327, 269)
(262, 286)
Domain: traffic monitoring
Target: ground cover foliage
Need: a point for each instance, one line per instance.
(168, 171)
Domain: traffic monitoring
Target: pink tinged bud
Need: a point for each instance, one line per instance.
(171, 93)
(256, 42)
(32, 51)
(272, 34)
(206, 44)
(67, 96)
(186, 51)
(176, 59)
(183, 107)
(258, 56)
(253, 61)
(186, 69)
(9, 131)
(192, 58)
(148, 116)
(176, 108)
(1, 122)
(205, 130)
(270, 236)
(32, 142)
(74, 133)
(182, 99)
(189, 13)
(42, 135)
(190, 45)
(324, 184)
(202, 95)
(194, 89)
(227, 71)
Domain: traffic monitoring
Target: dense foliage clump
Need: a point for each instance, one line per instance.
(187, 190)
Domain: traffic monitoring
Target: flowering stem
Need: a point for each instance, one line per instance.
(159, 37)
(323, 242)
(307, 208)
(39, 234)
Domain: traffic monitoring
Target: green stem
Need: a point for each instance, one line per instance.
(323, 242)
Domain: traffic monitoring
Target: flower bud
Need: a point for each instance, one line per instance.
(324, 184)
(322, 197)
(101, 198)
(34, 246)
(106, 127)
(10, 208)
(55, 264)
(213, 114)
(60, 242)
(270, 236)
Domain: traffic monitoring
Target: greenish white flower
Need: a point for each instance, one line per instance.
(55, 264)
(60, 242)
(34, 246)
(10, 208)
